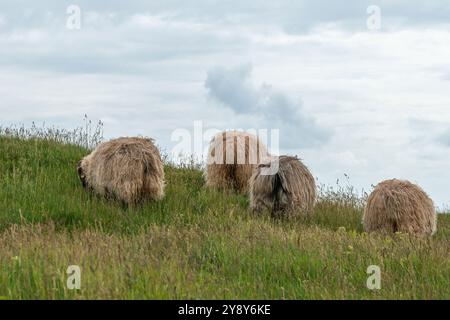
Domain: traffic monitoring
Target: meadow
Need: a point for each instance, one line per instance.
(196, 243)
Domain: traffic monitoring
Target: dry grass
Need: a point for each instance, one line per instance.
(253, 259)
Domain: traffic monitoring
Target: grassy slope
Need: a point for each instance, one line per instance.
(196, 243)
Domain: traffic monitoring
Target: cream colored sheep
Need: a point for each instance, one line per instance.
(126, 169)
(232, 157)
(399, 206)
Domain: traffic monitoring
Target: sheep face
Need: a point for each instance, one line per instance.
(81, 173)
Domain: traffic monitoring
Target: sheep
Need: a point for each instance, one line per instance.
(232, 157)
(129, 170)
(289, 191)
(400, 206)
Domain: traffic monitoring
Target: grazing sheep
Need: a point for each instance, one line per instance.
(126, 169)
(398, 205)
(232, 157)
(291, 190)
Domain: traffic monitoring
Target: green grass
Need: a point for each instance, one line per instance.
(196, 243)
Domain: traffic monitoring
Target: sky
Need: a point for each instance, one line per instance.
(353, 90)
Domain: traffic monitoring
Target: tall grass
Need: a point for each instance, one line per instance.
(87, 136)
(195, 243)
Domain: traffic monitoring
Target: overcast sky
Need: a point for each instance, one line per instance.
(373, 104)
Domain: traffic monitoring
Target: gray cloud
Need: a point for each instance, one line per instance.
(292, 16)
(427, 132)
(110, 44)
(233, 88)
(130, 37)
(444, 138)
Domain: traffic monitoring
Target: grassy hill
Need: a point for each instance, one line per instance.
(196, 243)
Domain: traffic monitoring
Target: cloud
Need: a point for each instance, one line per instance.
(233, 88)
(293, 16)
(140, 66)
(444, 138)
(114, 43)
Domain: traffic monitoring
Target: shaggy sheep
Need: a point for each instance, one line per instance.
(291, 190)
(398, 205)
(232, 157)
(129, 170)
